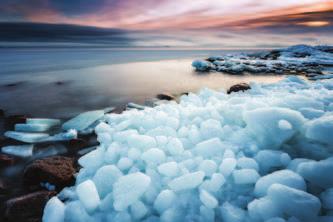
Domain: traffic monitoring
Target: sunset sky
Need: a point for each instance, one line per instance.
(186, 23)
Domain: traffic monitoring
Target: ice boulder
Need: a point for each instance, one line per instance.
(317, 173)
(321, 130)
(285, 177)
(264, 123)
(54, 211)
(128, 189)
(88, 195)
(209, 148)
(294, 202)
(245, 176)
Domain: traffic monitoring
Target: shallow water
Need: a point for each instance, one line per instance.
(62, 83)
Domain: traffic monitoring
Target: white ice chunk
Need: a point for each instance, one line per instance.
(33, 128)
(245, 176)
(105, 177)
(318, 173)
(169, 169)
(209, 148)
(208, 166)
(208, 200)
(128, 189)
(231, 213)
(164, 200)
(321, 129)
(83, 120)
(26, 137)
(247, 163)
(54, 211)
(227, 166)
(142, 142)
(175, 147)
(88, 195)
(153, 156)
(138, 210)
(285, 177)
(187, 181)
(49, 122)
(294, 202)
(18, 150)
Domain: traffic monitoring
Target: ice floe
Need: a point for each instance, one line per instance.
(260, 155)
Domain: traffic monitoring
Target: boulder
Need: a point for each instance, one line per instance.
(6, 160)
(10, 121)
(56, 170)
(165, 96)
(27, 208)
(239, 87)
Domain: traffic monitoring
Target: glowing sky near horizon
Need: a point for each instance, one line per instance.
(168, 17)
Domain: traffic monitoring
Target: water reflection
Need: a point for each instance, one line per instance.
(67, 92)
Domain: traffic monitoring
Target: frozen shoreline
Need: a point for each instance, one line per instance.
(237, 157)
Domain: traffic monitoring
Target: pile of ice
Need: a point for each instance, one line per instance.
(300, 59)
(260, 155)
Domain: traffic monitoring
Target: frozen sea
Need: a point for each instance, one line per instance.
(61, 82)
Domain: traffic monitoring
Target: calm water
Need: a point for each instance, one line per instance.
(64, 82)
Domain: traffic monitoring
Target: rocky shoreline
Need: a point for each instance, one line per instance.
(41, 166)
(303, 60)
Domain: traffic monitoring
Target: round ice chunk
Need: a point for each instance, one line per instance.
(54, 210)
(175, 147)
(321, 129)
(247, 163)
(318, 173)
(231, 213)
(327, 199)
(104, 179)
(208, 200)
(187, 181)
(164, 200)
(214, 184)
(138, 210)
(210, 128)
(92, 160)
(127, 189)
(284, 125)
(285, 177)
(88, 195)
(295, 202)
(208, 166)
(227, 166)
(142, 142)
(209, 148)
(153, 156)
(169, 169)
(124, 163)
(245, 176)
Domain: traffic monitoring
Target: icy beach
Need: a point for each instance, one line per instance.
(260, 155)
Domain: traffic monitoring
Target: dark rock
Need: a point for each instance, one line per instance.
(239, 87)
(4, 186)
(2, 113)
(56, 170)
(6, 160)
(165, 96)
(76, 144)
(28, 208)
(10, 121)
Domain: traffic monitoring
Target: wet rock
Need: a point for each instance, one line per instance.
(2, 113)
(4, 186)
(239, 87)
(76, 144)
(6, 160)
(55, 170)
(10, 121)
(165, 96)
(28, 208)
